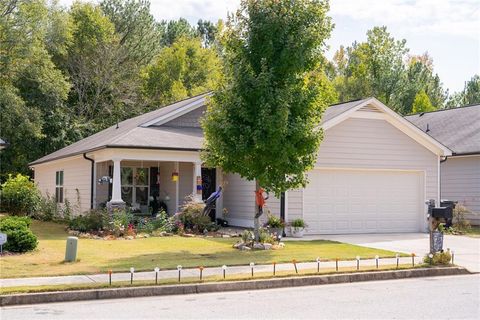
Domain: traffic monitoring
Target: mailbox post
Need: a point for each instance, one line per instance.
(435, 216)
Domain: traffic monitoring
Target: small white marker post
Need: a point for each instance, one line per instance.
(132, 270)
(251, 266)
(430, 258)
(318, 264)
(376, 261)
(179, 268)
(358, 262)
(397, 256)
(224, 268)
(156, 274)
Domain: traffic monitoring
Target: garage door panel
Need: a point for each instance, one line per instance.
(350, 201)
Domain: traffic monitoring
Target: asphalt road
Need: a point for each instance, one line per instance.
(456, 297)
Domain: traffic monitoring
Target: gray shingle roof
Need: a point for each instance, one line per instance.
(130, 133)
(458, 128)
(337, 109)
(128, 130)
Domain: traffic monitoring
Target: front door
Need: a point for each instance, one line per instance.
(208, 186)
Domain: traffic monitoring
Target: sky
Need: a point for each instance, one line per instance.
(449, 30)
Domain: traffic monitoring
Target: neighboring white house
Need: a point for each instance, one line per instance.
(459, 130)
(374, 172)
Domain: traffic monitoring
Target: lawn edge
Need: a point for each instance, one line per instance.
(148, 291)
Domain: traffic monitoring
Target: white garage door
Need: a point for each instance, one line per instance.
(348, 201)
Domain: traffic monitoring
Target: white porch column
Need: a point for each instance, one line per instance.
(117, 183)
(197, 180)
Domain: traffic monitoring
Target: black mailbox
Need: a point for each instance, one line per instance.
(442, 212)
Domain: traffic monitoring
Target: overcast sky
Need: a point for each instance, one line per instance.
(448, 29)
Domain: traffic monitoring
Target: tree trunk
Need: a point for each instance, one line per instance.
(256, 219)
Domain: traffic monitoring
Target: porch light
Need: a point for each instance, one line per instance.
(174, 176)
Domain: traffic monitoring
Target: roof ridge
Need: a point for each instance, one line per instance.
(444, 109)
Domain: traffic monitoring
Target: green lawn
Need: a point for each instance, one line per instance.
(96, 256)
(473, 232)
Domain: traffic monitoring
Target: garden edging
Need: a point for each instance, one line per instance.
(116, 293)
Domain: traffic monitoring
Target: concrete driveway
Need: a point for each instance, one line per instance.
(466, 249)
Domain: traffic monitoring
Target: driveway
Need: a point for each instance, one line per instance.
(466, 249)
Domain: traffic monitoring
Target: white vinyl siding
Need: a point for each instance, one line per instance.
(185, 181)
(376, 144)
(239, 200)
(460, 181)
(76, 180)
(189, 120)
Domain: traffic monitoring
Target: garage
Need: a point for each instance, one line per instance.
(363, 201)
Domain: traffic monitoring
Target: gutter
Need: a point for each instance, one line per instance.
(92, 178)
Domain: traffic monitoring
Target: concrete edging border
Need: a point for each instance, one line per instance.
(161, 290)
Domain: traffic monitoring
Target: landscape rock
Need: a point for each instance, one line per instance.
(225, 236)
(267, 246)
(188, 235)
(130, 238)
(245, 248)
(258, 246)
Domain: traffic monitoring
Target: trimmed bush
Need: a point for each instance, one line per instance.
(19, 195)
(92, 220)
(19, 237)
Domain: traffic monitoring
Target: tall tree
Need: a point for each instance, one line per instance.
(182, 70)
(139, 34)
(470, 95)
(176, 29)
(262, 123)
(30, 84)
(104, 74)
(422, 103)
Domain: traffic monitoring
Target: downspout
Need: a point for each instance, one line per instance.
(440, 178)
(92, 178)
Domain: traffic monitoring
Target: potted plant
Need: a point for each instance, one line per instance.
(297, 228)
(275, 225)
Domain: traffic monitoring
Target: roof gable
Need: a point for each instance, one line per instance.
(371, 108)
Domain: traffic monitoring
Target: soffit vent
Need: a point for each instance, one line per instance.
(369, 108)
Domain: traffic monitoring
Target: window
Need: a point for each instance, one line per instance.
(59, 186)
(135, 186)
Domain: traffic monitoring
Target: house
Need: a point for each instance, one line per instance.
(459, 130)
(374, 172)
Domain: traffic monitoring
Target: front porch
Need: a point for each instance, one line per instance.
(150, 180)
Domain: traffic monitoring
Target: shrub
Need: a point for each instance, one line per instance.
(161, 222)
(19, 237)
(264, 236)
(459, 219)
(439, 258)
(275, 222)
(19, 195)
(47, 209)
(118, 221)
(298, 224)
(247, 236)
(92, 220)
(192, 217)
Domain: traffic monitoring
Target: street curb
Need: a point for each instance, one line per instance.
(147, 291)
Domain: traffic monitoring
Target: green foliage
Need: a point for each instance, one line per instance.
(422, 103)
(19, 237)
(264, 236)
(177, 29)
(261, 122)
(470, 95)
(439, 258)
(298, 224)
(275, 222)
(247, 236)
(92, 220)
(380, 67)
(192, 218)
(185, 69)
(139, 34)
(161, 223)
(19, 195)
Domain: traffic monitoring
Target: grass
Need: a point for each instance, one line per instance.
(473, 232)
(191, 280)
(99, 256)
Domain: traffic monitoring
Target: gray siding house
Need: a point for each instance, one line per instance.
(459, 130)
(374, 171)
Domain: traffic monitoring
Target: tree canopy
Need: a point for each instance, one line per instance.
(262, 121)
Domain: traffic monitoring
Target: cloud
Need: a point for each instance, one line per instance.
(425, 17)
